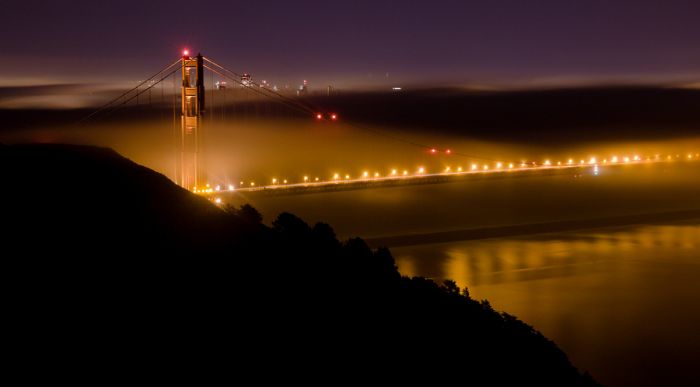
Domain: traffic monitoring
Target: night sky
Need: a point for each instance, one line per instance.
(358, 43)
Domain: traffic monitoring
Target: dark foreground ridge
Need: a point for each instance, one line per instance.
(112, 270)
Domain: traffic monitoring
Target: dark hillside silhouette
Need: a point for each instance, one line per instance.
(111, 268)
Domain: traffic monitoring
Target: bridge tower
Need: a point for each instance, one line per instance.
(189, 174)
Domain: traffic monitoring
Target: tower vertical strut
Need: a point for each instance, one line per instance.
(189, 175)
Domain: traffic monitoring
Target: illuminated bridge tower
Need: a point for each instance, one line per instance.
(189, 174)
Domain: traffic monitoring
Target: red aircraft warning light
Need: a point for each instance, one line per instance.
(319, 116)
(433, 150)
(186, 53)
(448, 151)
(334, 116)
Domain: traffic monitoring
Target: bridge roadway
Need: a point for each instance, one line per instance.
(341, 184)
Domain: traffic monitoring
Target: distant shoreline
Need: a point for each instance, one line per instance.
(529, 229)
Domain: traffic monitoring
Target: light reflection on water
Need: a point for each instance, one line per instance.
(623, 303)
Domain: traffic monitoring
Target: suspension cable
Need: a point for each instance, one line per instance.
(293, 106)
(119, 106)
(108, 104)
(251, 82)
